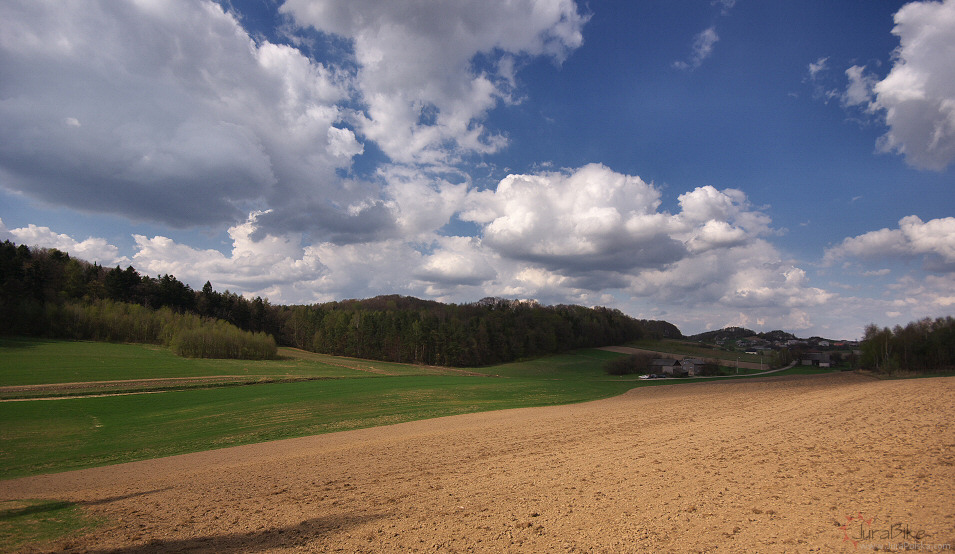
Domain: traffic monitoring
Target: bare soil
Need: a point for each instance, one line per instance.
(777, 464)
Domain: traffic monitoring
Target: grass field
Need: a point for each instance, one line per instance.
(31, 362)
(51, 435)
(44, 436)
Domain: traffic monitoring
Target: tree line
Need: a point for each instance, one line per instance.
(920, 346)
(490, 331)
(41, 286)
(49, 294)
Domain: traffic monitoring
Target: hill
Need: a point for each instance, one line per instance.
(45, 292)
(738, 333)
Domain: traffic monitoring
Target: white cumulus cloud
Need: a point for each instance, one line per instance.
(91, 249)
(191, 123)
(252, 266)
(918, 94)
(457, 261)
(589, 219)
(417, 74)
(933, 240)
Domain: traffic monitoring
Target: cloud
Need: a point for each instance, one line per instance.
(420, 75)
(457, 261)
(285, 269)
(252, 266)
(933, 241)
(918, 94)
(818, 66)
(907, 299)
(860, 91)
(816, 77)
(92, 249)
(751, 276)
(703, 45)
(191, 123)
(916, 99)
(423, 202)
(716, 234)
(343, 144)
(586, 220)
(727, 5)
(593, 220)
(195, 123)
(577, 234)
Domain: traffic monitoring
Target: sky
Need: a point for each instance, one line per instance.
(773, 165)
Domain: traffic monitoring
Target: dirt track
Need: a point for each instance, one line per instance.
(768, 465)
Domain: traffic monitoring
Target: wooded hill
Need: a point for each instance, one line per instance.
(46, 292)
(736, 333)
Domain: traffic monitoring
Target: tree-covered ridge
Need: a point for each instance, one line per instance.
(36, 283)
(735, 333)
(493, 330)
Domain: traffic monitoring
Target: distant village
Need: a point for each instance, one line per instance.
(814, 351)
(745, 340)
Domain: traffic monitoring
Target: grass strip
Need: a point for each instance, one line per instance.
(33, 522)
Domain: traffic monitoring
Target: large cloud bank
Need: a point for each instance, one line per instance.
(171, 112)
(350, 175)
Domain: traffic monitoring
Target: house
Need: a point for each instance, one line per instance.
(818, 359)
(666, 366)
(692, 366)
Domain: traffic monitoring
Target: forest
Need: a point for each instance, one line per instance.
(48, 293)
(920, 346)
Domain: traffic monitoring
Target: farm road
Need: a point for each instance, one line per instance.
(774, 464)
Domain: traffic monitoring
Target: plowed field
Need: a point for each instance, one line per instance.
(778, 464)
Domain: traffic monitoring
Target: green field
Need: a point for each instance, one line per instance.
(44, 436)
(51, 435)
(32, 361)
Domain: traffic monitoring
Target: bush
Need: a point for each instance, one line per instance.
(629, 365)
(711, 368)
(187, 334)
(223, 340)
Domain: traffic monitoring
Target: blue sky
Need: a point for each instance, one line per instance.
(776, 165)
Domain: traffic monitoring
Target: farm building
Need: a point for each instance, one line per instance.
(666, 366)
(818, 359)
(692, 366)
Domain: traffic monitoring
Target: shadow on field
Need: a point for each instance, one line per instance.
(302, 535)
(123, 497)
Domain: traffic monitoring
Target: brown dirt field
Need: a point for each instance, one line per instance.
(777, 464)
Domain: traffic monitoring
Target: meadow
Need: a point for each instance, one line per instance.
(308, 394)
